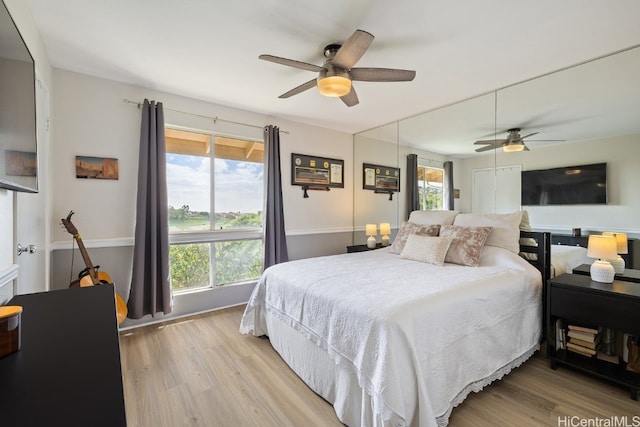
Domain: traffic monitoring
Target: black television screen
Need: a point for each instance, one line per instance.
(572, 185)
(18, 153)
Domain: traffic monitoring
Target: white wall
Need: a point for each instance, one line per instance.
(622, 155)
(90, 118)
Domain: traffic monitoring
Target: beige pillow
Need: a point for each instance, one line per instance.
(433, 217)
(429, 249)
(506, 228)
(407, 228)
(467, 243)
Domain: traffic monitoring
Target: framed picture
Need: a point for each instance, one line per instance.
(313, 171)
(96, 167)
(20, 163)
(382, 179)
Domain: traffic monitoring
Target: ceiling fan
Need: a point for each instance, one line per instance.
(513, 142)
(336, 74)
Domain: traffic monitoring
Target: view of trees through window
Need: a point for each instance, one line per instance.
(430, 187)
(208, 173)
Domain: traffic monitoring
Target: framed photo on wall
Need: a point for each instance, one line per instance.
(380, 178)
(314, 171)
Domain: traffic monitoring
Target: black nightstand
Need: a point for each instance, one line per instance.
(629, 274)
(361, 248)
(575, 299)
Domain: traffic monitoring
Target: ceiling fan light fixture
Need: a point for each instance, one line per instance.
(512, 147)
(334, 86)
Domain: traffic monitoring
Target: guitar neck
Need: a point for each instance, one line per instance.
(87, 260)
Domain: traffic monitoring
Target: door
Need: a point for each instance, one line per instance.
(31, 219)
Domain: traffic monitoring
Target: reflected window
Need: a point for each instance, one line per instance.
(430, 187)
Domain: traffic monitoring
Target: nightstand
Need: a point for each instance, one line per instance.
(629, 274)
(575, 299)
(361, 248)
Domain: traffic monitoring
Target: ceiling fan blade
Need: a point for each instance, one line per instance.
(351, 98)
(488, 147)
(531, 134)
(381, 75)
(496, 142)
(291, 63)
(353, 49)
(301, 88)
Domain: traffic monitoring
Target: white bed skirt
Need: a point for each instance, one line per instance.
(339, 386)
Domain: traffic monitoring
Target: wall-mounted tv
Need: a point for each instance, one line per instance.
(571, 185)
(18, 153)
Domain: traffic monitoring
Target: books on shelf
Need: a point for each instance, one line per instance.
(583, 340)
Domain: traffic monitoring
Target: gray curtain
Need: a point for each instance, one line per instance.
(150, 285)
(275, 240)
(413, 202)
(447, 186)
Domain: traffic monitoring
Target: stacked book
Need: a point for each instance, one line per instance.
(583, 340)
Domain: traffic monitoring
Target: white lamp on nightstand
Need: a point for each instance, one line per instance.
(603, 248)
(385, 230)
(618, 262)
(370, 230)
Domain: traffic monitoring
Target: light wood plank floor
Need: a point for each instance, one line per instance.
(200, 371)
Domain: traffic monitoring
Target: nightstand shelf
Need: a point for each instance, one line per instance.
(575, 299)
(361, 248)
(629, 275)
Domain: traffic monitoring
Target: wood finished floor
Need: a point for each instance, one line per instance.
(200, 371)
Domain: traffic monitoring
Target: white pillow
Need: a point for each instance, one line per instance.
(429, 249)
(506, 228)
(433, 217)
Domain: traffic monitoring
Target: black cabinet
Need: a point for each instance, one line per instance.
(575, 299)
(361, 248)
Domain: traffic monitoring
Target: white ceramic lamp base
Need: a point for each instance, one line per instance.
(385, 241)
(618, 264)
(371, 242)
(602, 271)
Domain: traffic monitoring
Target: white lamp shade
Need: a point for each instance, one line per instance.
(621, 241)
(385, 228)
(334, 86)
(602, 247)
(370, 230)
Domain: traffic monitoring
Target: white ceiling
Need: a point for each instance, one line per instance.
(209, 50)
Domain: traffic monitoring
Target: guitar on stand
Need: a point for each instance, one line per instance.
(91, 276)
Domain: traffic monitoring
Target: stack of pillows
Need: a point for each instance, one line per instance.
(436, 237)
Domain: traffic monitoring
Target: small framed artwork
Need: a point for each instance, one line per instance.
(96, 167)
(382, 179)
(314, 171)
(20, 163)
(456, 193)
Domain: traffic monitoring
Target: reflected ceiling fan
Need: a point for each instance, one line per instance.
(513, 142)
(336, 74)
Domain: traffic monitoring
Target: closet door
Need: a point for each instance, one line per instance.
(496, 190)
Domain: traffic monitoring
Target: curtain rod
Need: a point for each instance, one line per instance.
(215, 119)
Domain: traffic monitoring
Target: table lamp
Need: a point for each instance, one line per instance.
(370, 230)
(618, 262)
(385, 230)
(603, 248)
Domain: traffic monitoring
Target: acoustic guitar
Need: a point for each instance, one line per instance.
(92, 276)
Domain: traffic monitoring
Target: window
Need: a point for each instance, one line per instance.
(430, 187)
(215, 196)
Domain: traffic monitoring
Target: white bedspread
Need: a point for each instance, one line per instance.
(418, 337)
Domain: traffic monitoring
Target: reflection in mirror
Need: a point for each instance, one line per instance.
(377, 146)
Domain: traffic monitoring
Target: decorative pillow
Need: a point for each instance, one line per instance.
(506, 228)
(433, 217)
(406, 229)
(429, 249)
(467, 243)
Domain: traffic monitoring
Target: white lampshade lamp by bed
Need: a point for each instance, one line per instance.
(621, 241)
(385, 230)
(603, 248)
(371, 231)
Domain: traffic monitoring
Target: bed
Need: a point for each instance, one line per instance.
(395, 340)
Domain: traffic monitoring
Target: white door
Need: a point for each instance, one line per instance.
(31, 217)
(496, 190)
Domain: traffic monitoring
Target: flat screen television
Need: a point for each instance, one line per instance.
(571, 185)
(18, 135)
